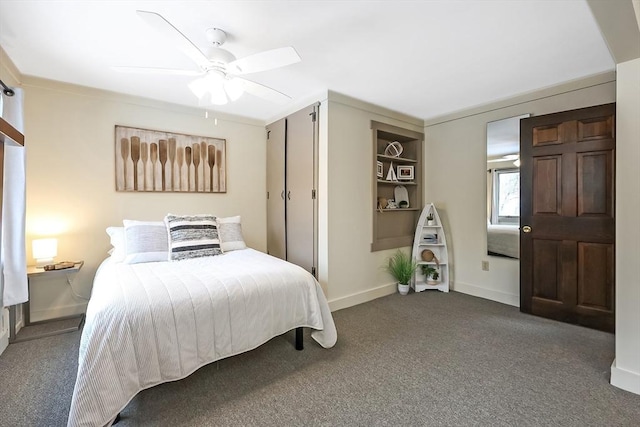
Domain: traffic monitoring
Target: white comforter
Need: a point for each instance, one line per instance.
(155, 322)
(503, 240)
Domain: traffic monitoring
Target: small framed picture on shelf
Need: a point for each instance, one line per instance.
(405, 173)
(379, 172)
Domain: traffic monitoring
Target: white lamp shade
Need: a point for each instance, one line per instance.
(216, 88)
(234, 89)
(44, 250)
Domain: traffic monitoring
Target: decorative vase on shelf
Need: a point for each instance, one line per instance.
(430, 219)
(403, 289)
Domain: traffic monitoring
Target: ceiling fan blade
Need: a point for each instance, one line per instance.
(263, 61)
(150, 70)
(263, 91)
(174, 35)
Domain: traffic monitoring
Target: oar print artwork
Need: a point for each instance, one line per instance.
(155, 161)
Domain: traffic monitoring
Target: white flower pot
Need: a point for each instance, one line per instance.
(403, 289)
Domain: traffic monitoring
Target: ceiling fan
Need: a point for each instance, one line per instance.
(218, 71)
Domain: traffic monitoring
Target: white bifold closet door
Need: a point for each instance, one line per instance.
(276, 230)
(291, 186)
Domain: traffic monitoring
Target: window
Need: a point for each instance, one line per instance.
(506, 202)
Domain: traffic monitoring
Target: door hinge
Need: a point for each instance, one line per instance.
(313, 194)
(267, 195)
(313, 116)
(313, 272)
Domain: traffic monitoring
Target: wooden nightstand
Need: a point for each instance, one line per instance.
(33, 271)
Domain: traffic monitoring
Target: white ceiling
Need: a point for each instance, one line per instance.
(421, 58)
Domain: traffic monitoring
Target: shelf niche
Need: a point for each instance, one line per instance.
(395, 228)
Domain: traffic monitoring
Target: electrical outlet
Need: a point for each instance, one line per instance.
(485, 265)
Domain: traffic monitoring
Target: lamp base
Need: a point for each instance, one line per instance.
(41, 262)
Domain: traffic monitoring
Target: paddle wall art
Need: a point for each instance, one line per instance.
(156, 161)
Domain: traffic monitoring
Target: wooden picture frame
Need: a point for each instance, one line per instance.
(156, 161)
(379, 170)
(405, 173)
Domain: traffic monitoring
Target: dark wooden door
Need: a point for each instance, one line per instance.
(567, 222)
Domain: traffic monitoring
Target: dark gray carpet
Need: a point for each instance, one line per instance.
(424, 359)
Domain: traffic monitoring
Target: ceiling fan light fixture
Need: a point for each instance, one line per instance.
(234, 89)
(219, 83)
(198, 87)
(218, 97)
(216, 88)
(205, 91)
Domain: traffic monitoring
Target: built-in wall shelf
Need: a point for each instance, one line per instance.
(394, 227)
(397, 159)
(382, 181)
(399, 209)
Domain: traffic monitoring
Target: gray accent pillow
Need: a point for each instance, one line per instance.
(145, 241)
(192, 236)
(230, 232)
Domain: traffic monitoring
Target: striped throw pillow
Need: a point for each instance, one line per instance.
(192, 236)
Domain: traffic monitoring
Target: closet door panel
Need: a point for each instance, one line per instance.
(300, 174)
(276, 223)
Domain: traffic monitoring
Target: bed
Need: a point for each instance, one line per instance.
(503, 240)
(152, 322)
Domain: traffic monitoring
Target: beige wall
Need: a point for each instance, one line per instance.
(71, 193)
(353, 273)
(625, 372)
(455, 157)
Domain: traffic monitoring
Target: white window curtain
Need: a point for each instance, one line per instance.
(13, 263)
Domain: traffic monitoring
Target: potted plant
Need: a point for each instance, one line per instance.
(431, 274)
(401, 266)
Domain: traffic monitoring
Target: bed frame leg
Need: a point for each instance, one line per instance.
(299, 339)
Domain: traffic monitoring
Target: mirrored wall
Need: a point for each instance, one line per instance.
(503, 187)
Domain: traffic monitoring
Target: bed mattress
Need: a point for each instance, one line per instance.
(151, 323)
(503, 240)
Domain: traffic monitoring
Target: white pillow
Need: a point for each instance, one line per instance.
(119, 251)
(145, 241)
(230, 232)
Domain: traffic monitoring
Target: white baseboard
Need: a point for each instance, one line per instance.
(57, 312)
(4, 329)
(626, 380)
(361, 297)
(477, 291)
(4, 342)
(381, 291)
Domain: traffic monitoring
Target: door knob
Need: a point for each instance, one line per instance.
(526, 229)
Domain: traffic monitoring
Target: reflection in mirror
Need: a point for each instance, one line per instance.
(503, 187)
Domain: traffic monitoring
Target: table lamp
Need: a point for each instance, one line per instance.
(44, 250)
